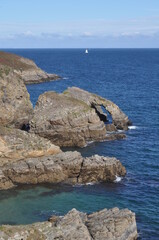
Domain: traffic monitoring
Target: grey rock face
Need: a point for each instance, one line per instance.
(111, 224)
(120, 120)
(68, 167)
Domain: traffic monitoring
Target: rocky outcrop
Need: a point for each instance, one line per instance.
(15, 106)
(67, 167)
(26, 69)
(113, 224)
(67, 121)
(16, 145)
(120, 120)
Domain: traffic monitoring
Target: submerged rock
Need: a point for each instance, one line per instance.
(15, 106)
(25, 68)
(113, 224)
(69, 121)
(67, 167)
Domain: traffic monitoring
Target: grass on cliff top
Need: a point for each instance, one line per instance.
(13, 61)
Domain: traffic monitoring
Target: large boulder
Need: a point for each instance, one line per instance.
(67, 167)
(66, 121)
(113, 224)
(119, 118)
(15, 106)
(25, 68)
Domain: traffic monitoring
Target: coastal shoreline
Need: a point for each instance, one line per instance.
(30, 141)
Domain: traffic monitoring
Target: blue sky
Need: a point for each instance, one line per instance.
(79, 23)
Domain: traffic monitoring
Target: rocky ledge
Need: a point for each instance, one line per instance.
(113, 224)
(25, 68)
(67, 167)
(75, 117)
(17, 145)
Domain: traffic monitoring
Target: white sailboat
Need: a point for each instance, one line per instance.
(86, 51)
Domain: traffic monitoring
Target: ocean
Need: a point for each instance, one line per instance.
(130, 78)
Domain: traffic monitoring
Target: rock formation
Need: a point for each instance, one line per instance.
(67, 167)
(25, 68)
(113, 224)
(120, 120)
(15, 107)
(16, 145)
(69, 121)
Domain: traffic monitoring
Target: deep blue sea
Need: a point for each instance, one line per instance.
(130, 78)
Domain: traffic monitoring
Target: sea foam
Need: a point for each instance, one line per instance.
(118, 179)
(132, 127)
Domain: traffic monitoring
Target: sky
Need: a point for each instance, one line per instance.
(79, 23)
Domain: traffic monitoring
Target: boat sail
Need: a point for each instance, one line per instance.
(86, 51)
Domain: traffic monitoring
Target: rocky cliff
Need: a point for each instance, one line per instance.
(15, 107)
(69, 121)
(113, 224)
(25, 68)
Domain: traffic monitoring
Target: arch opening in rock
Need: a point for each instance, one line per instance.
(25, 127)
(103, 114)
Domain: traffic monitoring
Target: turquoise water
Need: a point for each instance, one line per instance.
(130, 78)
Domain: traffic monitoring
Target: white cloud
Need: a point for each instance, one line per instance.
(87, 34)
(28, 33)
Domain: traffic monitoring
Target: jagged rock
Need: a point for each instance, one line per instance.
(68, 167)
(25, 68)
(120, 120)
(113, 224)
(16, 144)
(15, 107)
(66, 121)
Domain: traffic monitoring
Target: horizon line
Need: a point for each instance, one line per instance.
(80, 48)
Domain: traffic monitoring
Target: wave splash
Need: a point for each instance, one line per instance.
(132, 127)
(118, 179)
